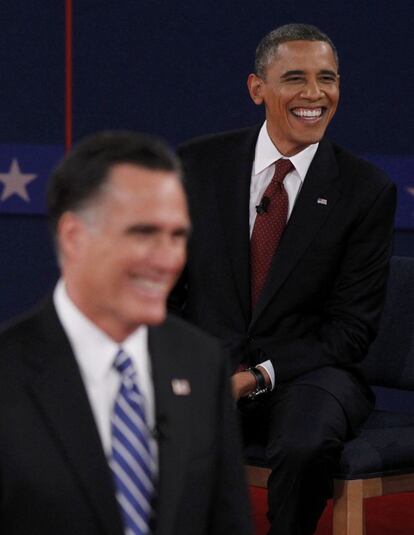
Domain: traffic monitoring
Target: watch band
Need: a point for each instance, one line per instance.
(261, 387)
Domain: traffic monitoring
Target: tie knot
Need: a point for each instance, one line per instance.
(282, 168)
(123, 364)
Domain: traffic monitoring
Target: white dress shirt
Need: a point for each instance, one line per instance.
(95, 353)
(266, 154)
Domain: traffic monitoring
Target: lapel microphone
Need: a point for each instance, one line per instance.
(262, 207)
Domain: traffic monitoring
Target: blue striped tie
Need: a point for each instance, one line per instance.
(132, 464)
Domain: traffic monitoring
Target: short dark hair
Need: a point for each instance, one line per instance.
(267, 47)
(81, 175)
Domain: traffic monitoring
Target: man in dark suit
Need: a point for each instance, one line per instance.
(115, 419)
(288, 264)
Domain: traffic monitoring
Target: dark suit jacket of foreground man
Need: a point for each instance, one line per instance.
(320, 307)
(54, 477)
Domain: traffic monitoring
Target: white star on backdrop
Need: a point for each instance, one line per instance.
(411, 191)
(15, 182)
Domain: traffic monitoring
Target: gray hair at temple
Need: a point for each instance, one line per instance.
(267, 48)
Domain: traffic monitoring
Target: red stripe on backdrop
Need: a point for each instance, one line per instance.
(68, 73)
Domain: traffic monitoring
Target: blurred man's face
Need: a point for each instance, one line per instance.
(123, 254)
(300, 92)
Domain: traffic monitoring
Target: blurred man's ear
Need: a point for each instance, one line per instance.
(71, 231)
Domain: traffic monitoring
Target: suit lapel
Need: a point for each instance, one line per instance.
(56, 387)
(307, 217)
(172, 417)
(233, 197)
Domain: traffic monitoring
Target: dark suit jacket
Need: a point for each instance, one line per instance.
(54, 477)
(320, 308)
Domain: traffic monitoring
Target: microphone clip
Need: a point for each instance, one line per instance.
(262, 207)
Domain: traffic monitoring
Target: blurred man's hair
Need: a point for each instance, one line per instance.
(83, 173)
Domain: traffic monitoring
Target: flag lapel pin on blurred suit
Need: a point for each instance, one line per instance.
(181, 387)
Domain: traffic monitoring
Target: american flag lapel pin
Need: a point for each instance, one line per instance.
(322, 201)
(181, 387)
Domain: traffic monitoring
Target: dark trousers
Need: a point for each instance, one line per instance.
(304, 428)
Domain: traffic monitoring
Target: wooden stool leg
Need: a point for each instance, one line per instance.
(348, 508)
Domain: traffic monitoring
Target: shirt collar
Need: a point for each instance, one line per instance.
(94, 350)
(266, 154)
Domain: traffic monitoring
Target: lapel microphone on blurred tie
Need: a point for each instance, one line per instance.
(262, 207)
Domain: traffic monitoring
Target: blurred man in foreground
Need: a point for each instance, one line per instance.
(115, 419)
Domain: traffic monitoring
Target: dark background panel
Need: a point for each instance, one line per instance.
(32, 81)
(179, 68)
(27, 263)
(32, 71)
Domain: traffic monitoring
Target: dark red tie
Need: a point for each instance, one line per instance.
(268, 228)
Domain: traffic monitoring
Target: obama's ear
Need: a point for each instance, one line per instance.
(255, 87)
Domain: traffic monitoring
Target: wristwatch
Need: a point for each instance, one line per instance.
(261, 387)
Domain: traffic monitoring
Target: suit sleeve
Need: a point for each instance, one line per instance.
(351, 312)
(177, 298)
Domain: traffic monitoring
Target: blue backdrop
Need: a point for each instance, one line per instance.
(178, 69)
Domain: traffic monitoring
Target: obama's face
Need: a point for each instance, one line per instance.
(300, 92)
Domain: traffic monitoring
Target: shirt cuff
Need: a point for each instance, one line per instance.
(268, 366)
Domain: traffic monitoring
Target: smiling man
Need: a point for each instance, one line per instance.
(300, 91)
(288, 264)
(112, 413)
